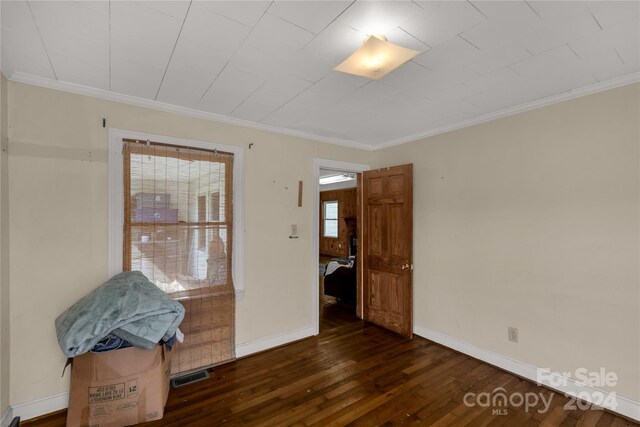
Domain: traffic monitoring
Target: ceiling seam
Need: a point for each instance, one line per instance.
(294, 24)
(460, 35)
(234, 53)
(429, 47)
(533, 10)
(595, 19)
(327, 26)
(173, 50)
(476, 8)
(44, 46)
(247, 97)
(300, 93)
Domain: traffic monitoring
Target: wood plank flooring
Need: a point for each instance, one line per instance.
(357, 374)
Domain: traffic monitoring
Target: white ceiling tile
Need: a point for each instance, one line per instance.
(559, 9)
(192, 69)
(442, 20)
(374, 91)
(244, 12)
(613, 13)
(307, 66)
(281, 72)
(328, 90)
(505, 27)
(312, 15)
(494, 59)
(79, 71)
(202, 59)
(178, 93)
(252, 111)
(67, 45)
(270, 96)
(135, 82)
(336, 42)
(402, 38)
(125, 50)
(229, 90)
(491, 8)
(560, 59)
(445, 78)
(452, 52)
(210, 29)
(257, 61)
(288, 116)
(99, 5)
(143, 24)
(414, 92)
(16, 16)
(378, 17)
(136, 61)
(607, 64)
(174, 8)
(552, 35)
(278, 36)
(23, 51)
(71, 17)
(410, 73)
(280, 89)
(554, 69)
(502, 79)
(453, 93)
(612, 52)
(624, 38)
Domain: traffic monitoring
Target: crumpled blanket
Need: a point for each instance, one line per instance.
(334, 265)
(128, 306)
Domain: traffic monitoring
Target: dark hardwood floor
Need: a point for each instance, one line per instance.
(355, 373)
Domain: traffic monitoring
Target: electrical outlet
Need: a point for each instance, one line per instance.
(513, 334)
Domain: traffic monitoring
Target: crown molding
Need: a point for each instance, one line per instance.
(170, 108)
(543, 102)
(219, 118)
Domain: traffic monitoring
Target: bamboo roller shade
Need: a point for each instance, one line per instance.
(178, 229)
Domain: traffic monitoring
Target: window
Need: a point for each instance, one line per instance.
(167, 233)
(330, 218)
(214, 198)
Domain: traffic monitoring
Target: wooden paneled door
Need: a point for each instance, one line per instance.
(387, 242)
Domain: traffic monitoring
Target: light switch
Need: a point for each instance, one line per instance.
(294, 229)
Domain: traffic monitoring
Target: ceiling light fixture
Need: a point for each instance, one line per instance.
(376, 58)
(335, 178)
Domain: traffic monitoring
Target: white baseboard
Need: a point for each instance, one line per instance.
(6, 417)
(257, 346)
(46, 405)
(37, 407)
(627, 407)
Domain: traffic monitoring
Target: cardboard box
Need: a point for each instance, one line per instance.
(119, 388)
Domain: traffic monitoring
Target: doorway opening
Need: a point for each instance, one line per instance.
(336, 218)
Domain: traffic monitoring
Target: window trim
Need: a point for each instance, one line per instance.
(116, 198)
(324, 219)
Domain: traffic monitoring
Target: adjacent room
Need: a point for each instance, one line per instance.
(319, 212)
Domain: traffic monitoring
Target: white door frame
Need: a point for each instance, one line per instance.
(317, 165)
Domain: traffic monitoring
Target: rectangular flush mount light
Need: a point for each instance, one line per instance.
(335, 178)
(376, 58)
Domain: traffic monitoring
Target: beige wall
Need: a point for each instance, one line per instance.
(532, 221)
(4, 250)
(58, 195)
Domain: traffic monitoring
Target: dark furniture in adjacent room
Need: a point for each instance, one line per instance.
(341, 284)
